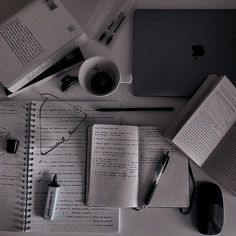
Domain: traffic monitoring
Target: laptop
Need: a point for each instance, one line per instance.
(174, 51)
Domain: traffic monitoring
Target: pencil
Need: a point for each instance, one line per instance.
(136, 109)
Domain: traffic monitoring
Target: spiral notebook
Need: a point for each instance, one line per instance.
(25, 175)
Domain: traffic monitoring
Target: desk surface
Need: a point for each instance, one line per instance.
(161, 221)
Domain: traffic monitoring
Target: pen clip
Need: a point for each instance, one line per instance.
(165, 161)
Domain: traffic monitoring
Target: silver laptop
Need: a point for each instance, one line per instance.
(175, 50)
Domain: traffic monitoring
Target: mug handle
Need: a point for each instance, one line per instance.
(126, 79)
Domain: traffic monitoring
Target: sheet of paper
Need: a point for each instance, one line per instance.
(68, 161)
(114, 166)
(210, 122)
(152, 146)
(13, 123)
(222, 162)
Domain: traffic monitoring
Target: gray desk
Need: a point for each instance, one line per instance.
(163, 222)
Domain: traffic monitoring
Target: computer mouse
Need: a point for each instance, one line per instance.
(210, 209)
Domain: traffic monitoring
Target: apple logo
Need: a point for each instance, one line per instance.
(198, 51)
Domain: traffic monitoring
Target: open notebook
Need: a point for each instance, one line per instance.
(25, 175)
(122, 163)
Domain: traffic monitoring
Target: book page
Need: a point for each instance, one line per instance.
(113, 172)
(68, 161)
(27, 44)
(210, 122)
(152, 146)
(222, 162)
(195, 101)
(13, 122)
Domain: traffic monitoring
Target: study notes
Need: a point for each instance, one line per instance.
(121, 165)
(206, 131)
(24, 176)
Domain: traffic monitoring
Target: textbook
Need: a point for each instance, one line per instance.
(67, 63)
(39, 127)
(35, 38)
(121, 165)
(205, 130)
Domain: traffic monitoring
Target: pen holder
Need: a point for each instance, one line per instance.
(101, 77)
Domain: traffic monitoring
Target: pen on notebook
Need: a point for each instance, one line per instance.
(160, 170)
(136, 109)
(53, 190)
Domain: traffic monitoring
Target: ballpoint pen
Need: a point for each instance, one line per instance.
(160, 170)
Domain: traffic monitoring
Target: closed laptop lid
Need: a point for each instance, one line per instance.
(175, 50)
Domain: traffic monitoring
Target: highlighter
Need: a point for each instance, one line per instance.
(53, 190)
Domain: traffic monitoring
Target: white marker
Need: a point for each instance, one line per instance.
(53, 190)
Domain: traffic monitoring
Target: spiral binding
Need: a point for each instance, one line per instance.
(28, 167)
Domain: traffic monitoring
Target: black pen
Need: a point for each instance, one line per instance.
(136, 109)
(107, 36)
(117, 27)
(160, 170)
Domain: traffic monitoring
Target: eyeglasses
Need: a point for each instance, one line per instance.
(76, 109)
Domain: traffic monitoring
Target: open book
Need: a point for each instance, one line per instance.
(121, 166)
(24, 176)
(205, 130)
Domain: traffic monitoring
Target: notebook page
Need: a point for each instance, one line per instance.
(113, 173)
(13, 121)
(152, 146)
(68, 161)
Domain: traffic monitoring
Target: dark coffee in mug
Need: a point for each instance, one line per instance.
(102, 83)
(100, 76)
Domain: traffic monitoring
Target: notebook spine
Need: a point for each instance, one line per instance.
(28, 167)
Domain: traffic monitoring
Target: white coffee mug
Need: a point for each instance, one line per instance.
(100, 76)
